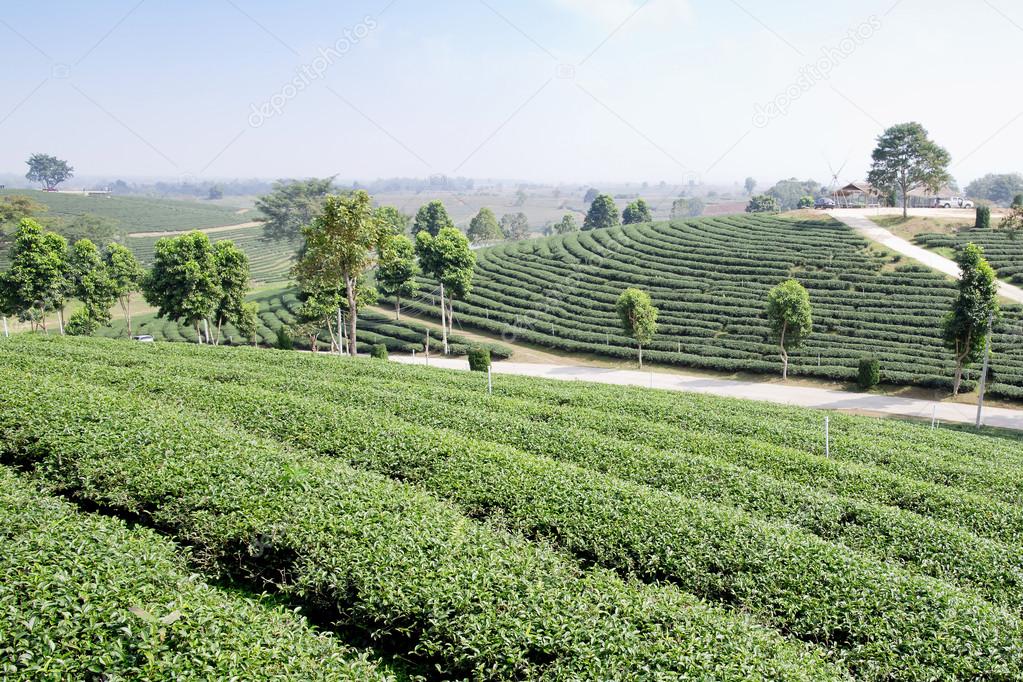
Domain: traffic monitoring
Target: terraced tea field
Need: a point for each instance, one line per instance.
(549, 531)
(709, 278)
(1003, 250)
(278, 308)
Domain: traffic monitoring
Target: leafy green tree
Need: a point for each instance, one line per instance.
(602, 213)
(48, 170)
(1017, 201)
(392, 220)
(790, 192)
(521, 197)
(340, 247)
(591, 194)
(999, 189)
(805, 202)
(7, 305)
(36, 282)
(97, 229)
(216, 192)
(762, 203)
(291, 205)
(566, 225)
(247, 323)
(907, 159)
(396, 274)
(687, 208)
(750, 185)
(233, 276)
(432, 218)
(964, 328)
(448, 259)
(791, 318)
(484, 227)
(183, 283)
(126, 276)
(91, 283)
(515, 225)
(13, 209)
(637, 212)
(983, 218)
(638, 317)
(1013, 221)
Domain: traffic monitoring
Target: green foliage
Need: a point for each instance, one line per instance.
(638, 317)
(907, 159)
(479, 359)
(91, 284)
(284, 341)
(397, 270)
(965, 326)
(247, 323)
(48, 170)
(82, 323)
(637, 212)
(515, 225)
(750, 186)
(379, 351)
(762, 203)
(432, 218)
(392, 221)
(789, 193)
(184, 283)
(869, 374)
(983, 220)
(37, 280)
(591, 194)
(566, 225)
(1017, 201)
(448, 259)
(602, 213)
(687, 208)
(95, 228)
(292, 205)
(484, 227)
(232, 268)
(999, 189)
(790, 316)
(805, 202)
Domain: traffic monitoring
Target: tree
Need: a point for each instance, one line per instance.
(999, 189)
(183, 283)
(48, 170)
(591, 194)
(392, 220)
(126, 276)
(637, 212)
(291, 205)
(484, 227)
(566, 224)
(432, 218)
(687, 208)
(396, 274)
(340, 246)
(91, 284)
(97, 229)
(515, 225)
(521, 197)
(232, 267)
(638, 316)
(1017, 201)
(964, 328)
(216, 192)
(602, 213)
(247, 323)
(791, 319)
(14, 208)
(762, 203)
(790, 192)
(36, 281)
(750, 185)
(906, 159)
(805, 202)
(448, 259)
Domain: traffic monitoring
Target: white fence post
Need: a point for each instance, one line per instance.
(827, 436)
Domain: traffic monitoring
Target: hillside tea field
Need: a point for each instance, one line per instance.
(709, 278)
(1003, 249)
(549, 531)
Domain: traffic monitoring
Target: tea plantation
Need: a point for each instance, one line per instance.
(547, 531)
(1003, 249)
(709, 278)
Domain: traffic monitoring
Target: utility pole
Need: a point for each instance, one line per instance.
(983, 372)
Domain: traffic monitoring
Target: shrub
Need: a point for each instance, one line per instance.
(870, 373)
(805, 202)
(379, 351)
(762, 203)
(1017, 201)
(983, 217)
(284, 340)
(479, 359)
(81, 324)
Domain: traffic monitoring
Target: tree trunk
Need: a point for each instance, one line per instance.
(958, 380)
(340, 333)
(7, 332)
(784, 353)
(220, 326)
(443, 320)
(206, 329)
(352, 314)
(451, 315)
(125, 302)
(60, 320)
(960, 364)
(905, 200)
(198, 334)
(640, 356)
(397, 307)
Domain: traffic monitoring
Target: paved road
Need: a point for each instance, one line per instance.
(801, 396)
(857, 219)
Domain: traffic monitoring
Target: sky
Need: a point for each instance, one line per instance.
(540, 90)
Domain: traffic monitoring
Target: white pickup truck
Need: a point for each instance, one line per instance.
(953, 202)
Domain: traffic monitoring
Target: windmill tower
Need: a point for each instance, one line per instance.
(833, 187)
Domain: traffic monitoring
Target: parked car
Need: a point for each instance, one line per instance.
(953, 202)
(144, 338)
(824, 203)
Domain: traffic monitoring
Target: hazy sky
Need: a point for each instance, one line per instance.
(549, 90)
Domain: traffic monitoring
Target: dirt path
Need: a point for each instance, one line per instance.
(207, 230)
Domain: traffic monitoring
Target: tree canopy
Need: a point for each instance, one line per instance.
(432, 218)
(791, 318)
(36, 281)
(515, 225)
(396, 273)
(964, 327)
(126, 276)
(687, 208)
(999, 189)
(790, 192)
(566, 224)
(484, 227)
(183, 283)
(906, 159)
(637, 212)
(603, 213)
(638, 317)
(291, 205)
(762, 203)
(48, 170)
